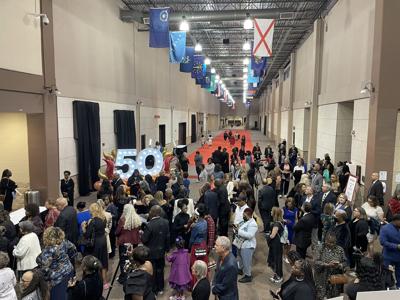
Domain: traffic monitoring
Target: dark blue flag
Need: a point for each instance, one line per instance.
(159, 27)
(187, 62)
(177, 46)
(199, 81)
(258, 65)
(198, 66)
(206, 81)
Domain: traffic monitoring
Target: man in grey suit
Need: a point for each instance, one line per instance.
(316, 178)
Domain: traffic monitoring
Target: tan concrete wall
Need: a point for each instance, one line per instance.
(20, 36)
(347, 50)
(396, 165)
(14, 150)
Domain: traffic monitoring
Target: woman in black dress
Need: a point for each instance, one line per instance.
(7, 189)
(95, 230)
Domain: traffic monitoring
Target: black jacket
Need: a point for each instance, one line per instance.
(376, 190)
(316, 207)
(156, 237)
(266, 198)
(211, 202)
(330, 198)
(89, 288)
(224, 206)
(68, 222)
(202, 290)
(225, 279)
(297, 290)
(302, 231)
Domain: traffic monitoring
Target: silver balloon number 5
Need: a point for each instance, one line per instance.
(125, 158)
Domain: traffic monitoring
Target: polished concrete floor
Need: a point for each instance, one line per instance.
(256, 290)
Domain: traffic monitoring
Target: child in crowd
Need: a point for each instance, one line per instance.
(186, 181)
(179, 277)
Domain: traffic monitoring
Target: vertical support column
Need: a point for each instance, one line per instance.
(312, 140)
(138, 127)
(172, 127)
(384, 102)
(289, 137)
(278, 103)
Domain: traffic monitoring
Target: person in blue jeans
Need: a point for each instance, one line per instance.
(390, 241)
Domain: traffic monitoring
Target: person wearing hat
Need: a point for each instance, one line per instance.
(247, 235)
(67, 188)
(390, 241)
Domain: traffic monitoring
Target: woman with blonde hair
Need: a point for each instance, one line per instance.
(108, 223)
(128, 236)
(55, 262)
(94, 232)
(167, 208)
(275, 246)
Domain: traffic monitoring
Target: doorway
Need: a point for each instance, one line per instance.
(194, 129)
(182, 134)
(265, 125)
(255, 125)
(161, 134)
(143, 141)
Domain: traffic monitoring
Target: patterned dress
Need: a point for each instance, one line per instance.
(322, 273)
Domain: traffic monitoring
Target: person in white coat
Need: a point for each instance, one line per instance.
(27, 249)
(7, 279)
(247, 234)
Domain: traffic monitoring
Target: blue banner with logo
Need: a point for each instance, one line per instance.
(258, 65)
(177, 46)
(186, 65)
(198, 66)
(159, 27)
(250, 77)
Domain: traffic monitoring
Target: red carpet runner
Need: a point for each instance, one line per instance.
(218, 140)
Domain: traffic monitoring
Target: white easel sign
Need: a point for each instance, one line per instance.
(351, 187)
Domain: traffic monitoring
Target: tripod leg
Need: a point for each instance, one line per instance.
(112, 281)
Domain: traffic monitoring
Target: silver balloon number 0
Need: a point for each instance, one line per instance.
(125, 158)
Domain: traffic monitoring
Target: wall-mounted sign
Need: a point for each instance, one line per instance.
(126, 163)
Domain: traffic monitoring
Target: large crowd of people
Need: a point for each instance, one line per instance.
(304, 215)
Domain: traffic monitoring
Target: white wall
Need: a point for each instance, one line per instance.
(284, 124)
(14, 146)
(343, 131)
(347, 50)
(326, 130)
(66, 141)
(301, 122)
(20, 36)
(275, 132)
(359, 140)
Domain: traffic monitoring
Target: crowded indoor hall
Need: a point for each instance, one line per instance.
(197, 149)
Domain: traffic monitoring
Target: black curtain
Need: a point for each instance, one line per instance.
(194, 129)
(87, 134)
(124, 128)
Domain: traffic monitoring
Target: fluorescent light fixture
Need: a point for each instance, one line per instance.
(244, 76)
(246, 46)
(184, 25)
(212, 70)
(207, 61)
(246, 61)
(245, 70)
(248, 23)
(198, 47)
(217, 77)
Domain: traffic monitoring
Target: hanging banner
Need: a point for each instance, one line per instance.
(186, 65)
(263, 37)
(159, 27)
(177, 46)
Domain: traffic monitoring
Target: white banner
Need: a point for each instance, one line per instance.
(263, 37)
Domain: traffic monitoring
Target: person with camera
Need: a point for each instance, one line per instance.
(91, 285)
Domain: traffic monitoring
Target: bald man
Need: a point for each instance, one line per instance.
(67, 220)
(376, 188)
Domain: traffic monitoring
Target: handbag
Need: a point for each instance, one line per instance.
(87, 242)
(338, 279)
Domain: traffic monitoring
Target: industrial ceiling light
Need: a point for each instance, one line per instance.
(184, 26)
(245, 70)
(246, 46)
(248, 23)
(246, 61)
(217, 77)
(244, 76)
(198, 47)
(207, 61)
(212, 70)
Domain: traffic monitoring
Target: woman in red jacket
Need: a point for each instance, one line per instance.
(128, 235)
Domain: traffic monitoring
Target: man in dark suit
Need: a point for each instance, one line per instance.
(217, 156)
(67, 220)
(224, 207)
(303, 230)
(156, 238)
(316, 206)
(266, 201)
(211, 203)
(225, 161)
(376, 189)
(67, 188)
(224, 284)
